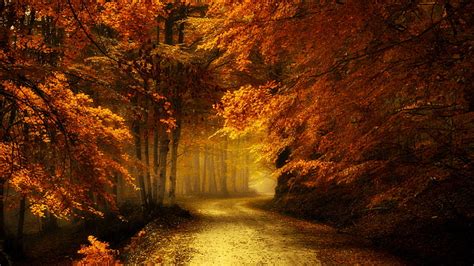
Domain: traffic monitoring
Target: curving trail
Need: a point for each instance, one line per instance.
(232, 232)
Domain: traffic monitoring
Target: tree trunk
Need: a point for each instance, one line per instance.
(11, 121)
(187, 185)
(163, 157)
(169, 23)
(197, 171)
(205, 170)
(212, 173)
(181, 33)
(233, 173)
(163, 138)
(2, 213)
(21, 223)
(138, 154)
(156, 144)
(217, 168)
(174, 160)
(224, 168)
(147, 160)
(246, 173)
(176, 102)
(4, 259)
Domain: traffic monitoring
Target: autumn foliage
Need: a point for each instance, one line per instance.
(373, 99)
(87, 100)
(371, 110)
(97, 253)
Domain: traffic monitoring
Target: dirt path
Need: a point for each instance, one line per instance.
(231, 232)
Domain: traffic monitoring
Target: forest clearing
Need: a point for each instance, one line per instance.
(236, 132)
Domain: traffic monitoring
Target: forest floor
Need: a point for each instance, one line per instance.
(234, 231)
(60, 246)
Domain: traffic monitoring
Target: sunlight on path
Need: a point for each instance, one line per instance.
(236, 234)
(231, 232)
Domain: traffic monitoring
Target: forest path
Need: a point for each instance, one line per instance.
(233, 232)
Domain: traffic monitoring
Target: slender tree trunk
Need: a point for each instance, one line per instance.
(169, 23)
(217, 167)
(197, 171)
(179, 186)
(163, 135)
(156, 114)
(20, 227)
(205, 170)
(246, 173)
(181, 32)
(156, 145)
(2, 213)
(11, 121)
(212, 173)
(187, 187)
(4, 258)
(147, 160)
(176, 133)
(138, 154)
(224, 167)
(174, 160)
(163, 157)
(233, 174)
